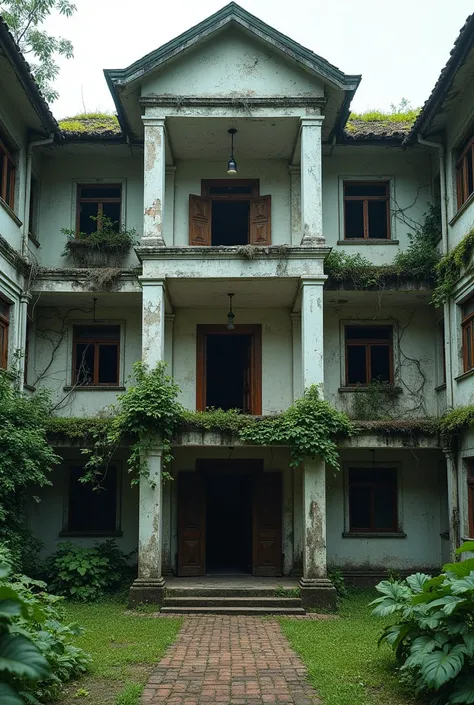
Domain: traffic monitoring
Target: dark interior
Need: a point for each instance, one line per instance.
(229, 523)
(230, 222)
(227, 360)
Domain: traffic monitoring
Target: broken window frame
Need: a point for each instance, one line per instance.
(368, 343)
(99, 200)
(8, 171)
(365, 208)
(96, 342)
(465, 159)
(372, 485)
(5, 327)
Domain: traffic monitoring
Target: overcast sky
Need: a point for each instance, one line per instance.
(398, 47)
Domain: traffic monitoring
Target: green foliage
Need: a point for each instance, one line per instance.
(336, 577)
(450, 267)
(434, 634)
(130, 694)
(90, 123)
(27, 458)
(108, 239)
(356, 271)
(231, 421)
(24, 19)
(403, 112)
(85, 574)
(309, 428)
(377, 400)
(453, 422)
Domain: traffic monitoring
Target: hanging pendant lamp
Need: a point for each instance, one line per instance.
(232, 164)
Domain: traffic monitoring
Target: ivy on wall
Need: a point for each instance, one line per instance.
(449, 268)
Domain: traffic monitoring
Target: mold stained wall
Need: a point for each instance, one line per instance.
(422, 498)
(232, 64)
(409, 174)
(62, 169)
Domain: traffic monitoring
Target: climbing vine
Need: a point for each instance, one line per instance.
(449, 269)
(377, 400)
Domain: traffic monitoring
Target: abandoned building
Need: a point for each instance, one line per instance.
(234, 160)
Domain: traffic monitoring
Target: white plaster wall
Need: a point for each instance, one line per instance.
(62, 169)
(276, 352)
(46, 517)
(416, 335)
(409, 173)
(274, 181)
(232, 64)
(421, 495)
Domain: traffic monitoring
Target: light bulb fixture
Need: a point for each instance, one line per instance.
(230, 315)
(232, 164)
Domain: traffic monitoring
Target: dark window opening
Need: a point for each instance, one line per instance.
(373, 499)
(230, 222)
(366, 211)
(229, 523)
(368, 355)
(467, 325)
(7, 175)
(465, 172)
(90, 508)
(228, 371)
(93, 202)
(96, 355)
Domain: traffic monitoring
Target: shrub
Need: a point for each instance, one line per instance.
(434, 636)
(106, 240)
(85, 574)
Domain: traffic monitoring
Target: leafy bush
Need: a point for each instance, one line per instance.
(108, 239)
(449, 268)
(86, 574)
(27, 459)
(421, 257)
(434, 637)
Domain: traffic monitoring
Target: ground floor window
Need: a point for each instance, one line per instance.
(470, 495)
(92, 509)
(373, 499)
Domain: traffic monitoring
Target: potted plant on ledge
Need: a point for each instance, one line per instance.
(105, 247)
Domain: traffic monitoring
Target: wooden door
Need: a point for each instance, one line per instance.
(191, 524)
(267, 511)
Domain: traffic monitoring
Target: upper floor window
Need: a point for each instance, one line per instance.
(95, 201)
(465, 172)
(369, 355)
(373, 495)
(4, 325)
(467, 325)
(229, 212)
(7, 175)
(366, 210)
(96, 355)
(92, 510)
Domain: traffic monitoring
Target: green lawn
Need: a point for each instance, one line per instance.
(342, 657)
(124, 649)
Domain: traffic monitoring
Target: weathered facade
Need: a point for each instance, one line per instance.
(307, 183)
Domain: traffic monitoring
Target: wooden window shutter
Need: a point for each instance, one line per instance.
(199, 220)
(260, 220)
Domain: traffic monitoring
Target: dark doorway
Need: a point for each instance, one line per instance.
(230, 222)
(229, 523)
(228, 371)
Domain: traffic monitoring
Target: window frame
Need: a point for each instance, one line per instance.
(465, 154)
(368, 343)
(96, 183)
(470, 495)
(66, 530)
(467, 333)
(397, 528)
(365, 208)
(207, 184)
(96, 343)
(5, 321)
(255, 330)
(9, 199)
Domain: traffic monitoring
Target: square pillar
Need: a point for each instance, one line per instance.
(312, 357)
(153, 321)
(311, 182)
(154, 182)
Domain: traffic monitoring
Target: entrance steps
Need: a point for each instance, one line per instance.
(228, 599)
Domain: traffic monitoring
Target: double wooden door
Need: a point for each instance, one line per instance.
(266, 524)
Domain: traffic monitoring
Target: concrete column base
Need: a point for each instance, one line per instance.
(309, 241)
(152, 242)
(147, 590)
(318, 593)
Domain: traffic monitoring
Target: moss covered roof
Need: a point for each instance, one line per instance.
(375, 125)
(90, 125)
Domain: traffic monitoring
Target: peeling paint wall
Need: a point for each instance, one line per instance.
(232, 64)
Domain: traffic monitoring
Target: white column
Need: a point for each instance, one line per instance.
(150, 526)
(154, 181)
(153, 321)
(170, 194)
(311, 182)
(453, 503)
(295, 204)
(296, 350)
(312, 357)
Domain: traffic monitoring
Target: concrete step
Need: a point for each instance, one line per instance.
(231, 601)
(222, 591)
(244, 610)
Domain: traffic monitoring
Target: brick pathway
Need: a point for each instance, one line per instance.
(227, 660)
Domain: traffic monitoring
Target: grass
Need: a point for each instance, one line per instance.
(90, 122)
(408, 116)
(124, 648)
(344, 663)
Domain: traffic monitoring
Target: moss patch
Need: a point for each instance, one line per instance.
(378, 116)
(90, 123)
